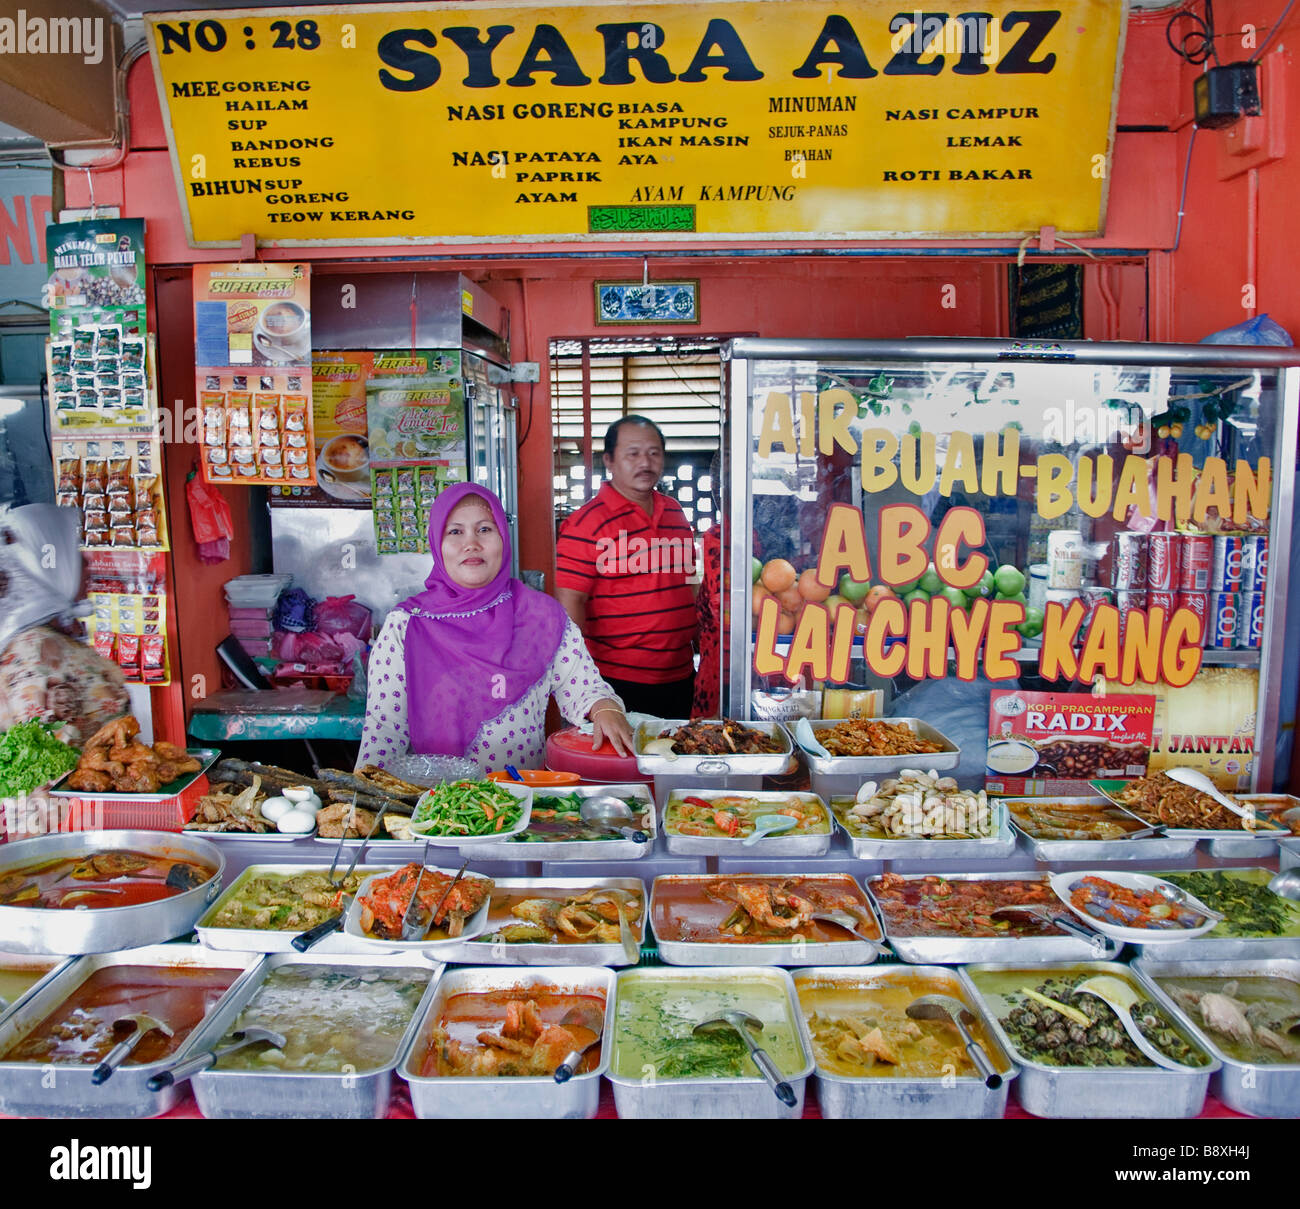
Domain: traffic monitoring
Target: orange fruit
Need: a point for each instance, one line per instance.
(833, 602)
(810, 589)
(876, 595)
(791, 600)
(758, 594)
(778, 574)
(785, 624)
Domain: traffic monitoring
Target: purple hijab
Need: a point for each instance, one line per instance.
(471, 653)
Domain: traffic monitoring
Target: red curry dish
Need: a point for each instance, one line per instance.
(383, 906)
(120, 878)
(937, 906)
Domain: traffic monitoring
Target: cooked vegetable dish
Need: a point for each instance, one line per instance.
(1244, 897)
(467, 808)
(333, 1018)
(285, 902)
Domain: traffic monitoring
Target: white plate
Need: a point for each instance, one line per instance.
(475, 925)
(523, 792)
(257, 837)
(1061, 883)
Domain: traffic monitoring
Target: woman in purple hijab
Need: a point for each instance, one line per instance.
(465, 668)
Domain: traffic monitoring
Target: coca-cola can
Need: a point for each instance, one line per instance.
(1162, 600)
(1126, 601)
(1250, 621)
(1226, 573)
(1221, 633)
(1129, 560)
(1254, 564)
(1198, 603)
(1197, 564)
(1163, 557)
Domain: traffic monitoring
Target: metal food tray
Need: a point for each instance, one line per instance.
(764, 765)
(958, 950)
(745, 1098)
(47, 966)
(590, 850)
(816, 843)
(70, 933)
(1231, 845)
(999, 845)
(27, 1088)
(777, 953)
(914, 1098)
(1236, 843)
(523, 1098)
(1260, 1089)
(1104, 1091)
(487, 952)
(299, 1095)
(206, 756)
(268, 940)
(1147, 848)
(866, 768)
(1209, 947)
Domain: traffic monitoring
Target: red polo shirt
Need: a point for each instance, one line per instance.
(633, 568)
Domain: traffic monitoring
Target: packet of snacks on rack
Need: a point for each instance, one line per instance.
(256, 427)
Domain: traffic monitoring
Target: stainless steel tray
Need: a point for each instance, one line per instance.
(998, 846)
(778, 953)
(1240, 843)
(957, 950)
(814, 844)
(39, 966)
(1147, 848)
(1241, 846)
(485, 951)
(105, 930)
(299, 1095)
(31, 1089)
(266, 940)
(705, 767)
(692, 1099)
(589, 850)
(912, 1098)
(1093, 1092)
(870, 767)
(1209, 947)
(1261, 1089)
(538, 1098)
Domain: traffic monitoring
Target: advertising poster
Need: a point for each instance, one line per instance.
(96, 276)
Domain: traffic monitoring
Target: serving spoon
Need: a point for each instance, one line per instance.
(1286, 884)
(140, 1025)
(1122, 999)
(956, 1013)
(611, 813)
(1199, 781)
(769, 824)
(584, 1021)
(200, 1062)
(1176, 894)
(744, 1024)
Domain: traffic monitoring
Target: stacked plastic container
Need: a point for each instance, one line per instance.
(251, 599)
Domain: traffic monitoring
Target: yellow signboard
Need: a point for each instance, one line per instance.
(731, 118)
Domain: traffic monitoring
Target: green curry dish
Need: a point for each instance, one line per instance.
(712, 1055)
(31, 756)
(1244, 897)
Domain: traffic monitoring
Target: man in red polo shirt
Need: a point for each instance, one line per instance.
(622, 561)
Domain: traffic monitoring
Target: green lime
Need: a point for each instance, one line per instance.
(1009, 580)
(930, 581)
(918, 594)
(853, 590)
(756, 570)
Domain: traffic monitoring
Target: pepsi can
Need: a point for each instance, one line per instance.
(1221, 633)
(1254, 564)
(1226, 574)
(1250, 621)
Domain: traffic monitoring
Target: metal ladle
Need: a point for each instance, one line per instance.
(611, 813)
(744, 1024)
(1176, 894)
(1062, 921)
(200, 1062)
(141, 1024)
(956, 1013)
(1286, 884)
(1121, 999)
(586, 1018)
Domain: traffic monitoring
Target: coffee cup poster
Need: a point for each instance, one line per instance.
(253, 385)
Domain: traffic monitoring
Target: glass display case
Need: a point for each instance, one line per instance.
(918, 527)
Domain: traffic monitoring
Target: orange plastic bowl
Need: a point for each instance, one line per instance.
(538, 778)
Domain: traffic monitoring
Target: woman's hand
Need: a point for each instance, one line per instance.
(608, 721)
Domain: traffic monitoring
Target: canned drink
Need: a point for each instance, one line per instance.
(1126, 601)
(1226, 573)
(1093, 599)
(1198, 603)
(1221, 633)
(1163, 557)
(1162, 600)
(1250, 621)
(1129, 561)
(1197, 563)
(1254, 564)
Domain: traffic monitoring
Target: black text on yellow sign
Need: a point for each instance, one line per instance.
(739, 117)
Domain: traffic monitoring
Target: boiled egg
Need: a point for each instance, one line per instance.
(274, 809)
(297, 822)
(299, 793)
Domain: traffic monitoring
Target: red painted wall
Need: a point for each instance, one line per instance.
(1194, 289)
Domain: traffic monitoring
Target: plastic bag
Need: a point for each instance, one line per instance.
(309, 648)
(210, 519)
(295, 611)
(1257, 331)
(343, 615)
